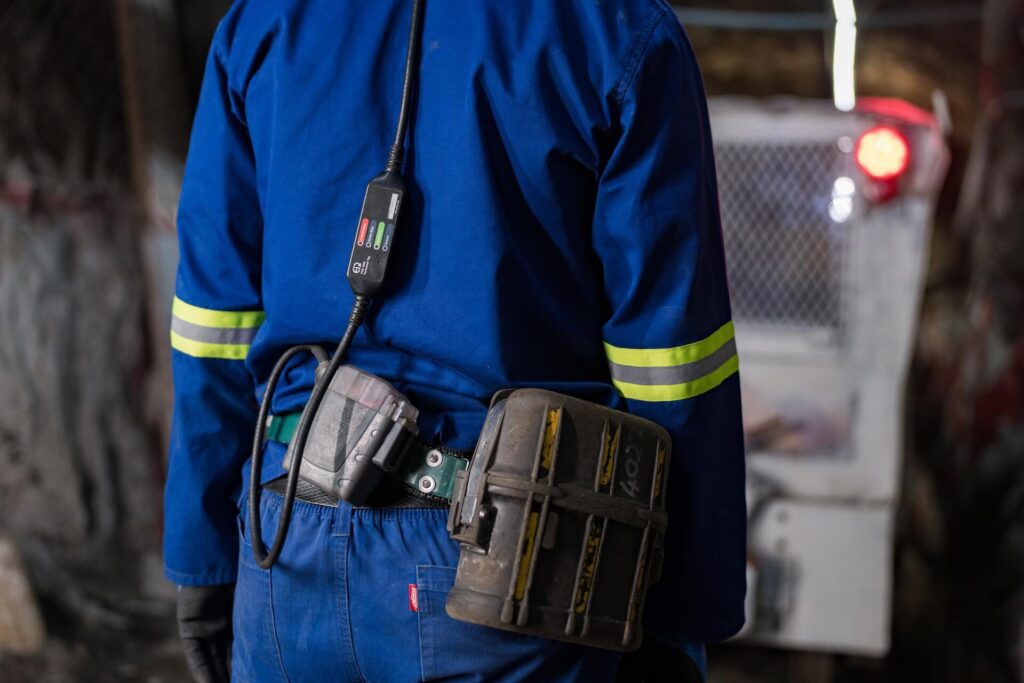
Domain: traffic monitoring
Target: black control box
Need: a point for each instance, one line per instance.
(375, 233)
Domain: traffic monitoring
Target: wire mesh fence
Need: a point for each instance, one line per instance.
(787, 257)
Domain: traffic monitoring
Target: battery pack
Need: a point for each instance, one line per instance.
(561, 517)
(359, 432)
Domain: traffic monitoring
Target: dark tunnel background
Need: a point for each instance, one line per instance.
(95, 104)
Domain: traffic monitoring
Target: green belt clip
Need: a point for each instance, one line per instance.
(281, 428)
(428, 469)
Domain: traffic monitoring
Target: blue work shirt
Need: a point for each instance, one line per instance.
(562, 232)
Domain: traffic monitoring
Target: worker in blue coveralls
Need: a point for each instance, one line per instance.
(562, 232)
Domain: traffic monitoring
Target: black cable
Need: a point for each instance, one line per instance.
(256, 458)
(394, 164)
(263, 558)
(412, 56)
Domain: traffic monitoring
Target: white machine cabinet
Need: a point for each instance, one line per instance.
(826, 267)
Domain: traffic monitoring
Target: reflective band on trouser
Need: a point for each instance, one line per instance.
(206, 333)
(675, 373)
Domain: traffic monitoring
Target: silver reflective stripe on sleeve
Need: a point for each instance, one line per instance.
(209, 333)
(213, 335)
(676, 373)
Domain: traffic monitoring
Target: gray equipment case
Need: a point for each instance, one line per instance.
(359, 432)
(561, 517)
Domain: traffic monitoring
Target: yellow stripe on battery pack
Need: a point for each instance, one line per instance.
(550, 432)
(611, 448)
(524, 559)
(586, 580)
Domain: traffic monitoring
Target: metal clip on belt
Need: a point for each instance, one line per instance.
(425, 476)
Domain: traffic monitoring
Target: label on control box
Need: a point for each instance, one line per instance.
(375, 232)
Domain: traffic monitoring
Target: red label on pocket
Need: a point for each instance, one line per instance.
(414, 598)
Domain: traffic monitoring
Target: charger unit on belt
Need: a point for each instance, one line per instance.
(356, 424)
(561, 518)
(360, 430)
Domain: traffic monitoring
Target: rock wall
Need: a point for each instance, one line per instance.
(80, 461)
(77, 469)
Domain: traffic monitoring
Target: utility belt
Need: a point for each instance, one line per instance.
(426, 477)
(560, 510)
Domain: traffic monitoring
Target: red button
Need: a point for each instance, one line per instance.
(362, 231)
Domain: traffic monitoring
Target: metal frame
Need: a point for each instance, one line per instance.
(822, 521)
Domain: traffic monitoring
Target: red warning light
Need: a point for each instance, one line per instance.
(882, 153)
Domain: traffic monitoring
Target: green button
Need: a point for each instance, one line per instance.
(380, 235)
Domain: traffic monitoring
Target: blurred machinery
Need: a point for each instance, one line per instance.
(826, 216)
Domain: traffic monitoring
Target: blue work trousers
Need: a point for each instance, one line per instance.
(358, 594)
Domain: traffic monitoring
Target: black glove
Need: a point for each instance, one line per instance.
(204, 623)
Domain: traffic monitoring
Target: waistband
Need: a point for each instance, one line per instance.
(425, 478)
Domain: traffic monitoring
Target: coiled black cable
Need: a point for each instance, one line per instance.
(263, 558)
(396, 155)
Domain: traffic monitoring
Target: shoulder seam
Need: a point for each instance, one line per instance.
(219, 49)
(637, 53)
(234, 100)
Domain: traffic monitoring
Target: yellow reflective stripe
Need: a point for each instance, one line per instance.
(678, 392)
(206, 350)
(660, 358)
(211, 318)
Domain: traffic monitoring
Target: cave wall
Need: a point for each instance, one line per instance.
(80, 458)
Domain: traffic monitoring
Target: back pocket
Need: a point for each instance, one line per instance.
(457, 650)
(255, 655)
